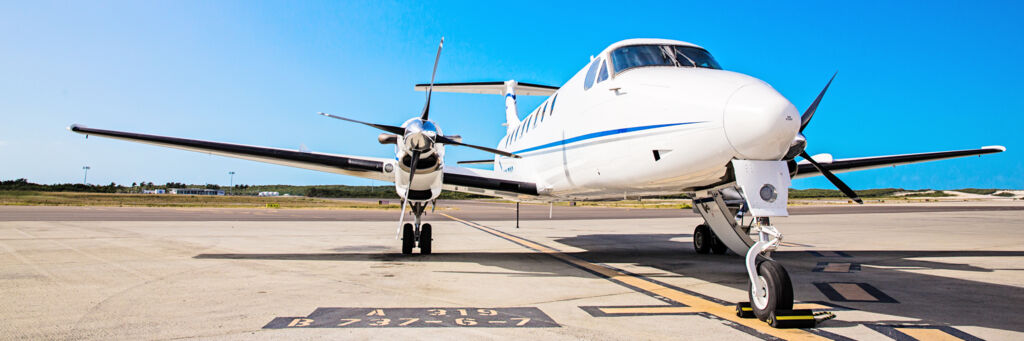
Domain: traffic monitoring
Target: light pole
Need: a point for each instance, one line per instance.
(85, 177)
(231, 183)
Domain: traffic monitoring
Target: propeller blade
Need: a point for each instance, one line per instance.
(835, 180)
(446, 140)
(430, 90)
(401, 218)
(806, 117)
(405, 199)
(384, 127)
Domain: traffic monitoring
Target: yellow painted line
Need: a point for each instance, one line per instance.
(648, 310)
(694, 302)
(853, 292)
(811, 306)
(837, 267)
(928, 334)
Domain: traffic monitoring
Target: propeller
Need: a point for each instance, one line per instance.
(832, 178)
(430, 90)
(806, 117)
(420, 135)
(405, 198)
(448, 140)
(424, 116)
(384, 127)
(801, 142)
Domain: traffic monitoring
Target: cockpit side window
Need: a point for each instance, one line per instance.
(603, 74)
(589, 81)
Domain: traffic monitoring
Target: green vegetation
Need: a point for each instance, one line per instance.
(982, 191)
(323, 191)
(928, 194)
(834, 193)
(36, 198)
(22, 192)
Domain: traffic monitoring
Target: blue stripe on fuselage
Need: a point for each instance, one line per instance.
(599, 134)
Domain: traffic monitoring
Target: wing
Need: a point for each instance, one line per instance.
(364, 167)
(492, 88)
(805, 169)
(477, 181)
(486, 182)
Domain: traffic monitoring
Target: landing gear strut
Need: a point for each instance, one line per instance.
(770, 287)
(417, 234)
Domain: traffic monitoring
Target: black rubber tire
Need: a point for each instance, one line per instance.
(717, 247)
(425, 239)
(408, 239)
(780, 289)
(702, 239)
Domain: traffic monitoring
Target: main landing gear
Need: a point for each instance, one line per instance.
(705, 241)
(417, 234)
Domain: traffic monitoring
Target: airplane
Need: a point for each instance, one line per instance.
(645, 117)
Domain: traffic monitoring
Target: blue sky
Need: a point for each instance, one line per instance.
(913, 77)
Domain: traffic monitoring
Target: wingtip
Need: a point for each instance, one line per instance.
(1000, 148)
(74, 127)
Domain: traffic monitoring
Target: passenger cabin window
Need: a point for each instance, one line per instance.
(591, 73)
(628, 57)
(552, 110)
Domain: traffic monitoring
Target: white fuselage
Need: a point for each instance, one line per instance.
(647, 131)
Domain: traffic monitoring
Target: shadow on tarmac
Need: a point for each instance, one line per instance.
(906, 276)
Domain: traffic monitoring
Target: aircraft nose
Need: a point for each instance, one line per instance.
(759, 122)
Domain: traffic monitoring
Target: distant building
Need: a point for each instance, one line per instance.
(269, 194)
(154, 191)
(196, 191)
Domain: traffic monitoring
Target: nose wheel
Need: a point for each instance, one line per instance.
(410, 239)
(425, 239)
(771, 291)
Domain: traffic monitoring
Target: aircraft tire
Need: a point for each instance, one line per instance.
(408, 239)
(717, 247)
(425, 239)
(702, 239)
(779, 290)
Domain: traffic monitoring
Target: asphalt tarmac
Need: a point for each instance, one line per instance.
(930, 271)
(466, 209)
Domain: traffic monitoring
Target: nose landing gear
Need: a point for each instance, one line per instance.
(413, 235)
(771, 291)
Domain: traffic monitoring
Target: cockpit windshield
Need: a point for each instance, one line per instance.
(628, 57)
